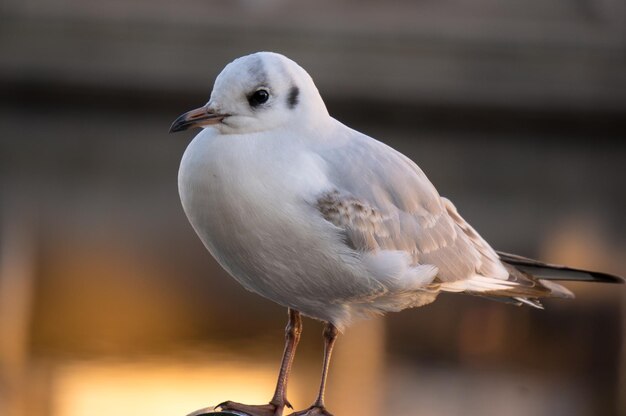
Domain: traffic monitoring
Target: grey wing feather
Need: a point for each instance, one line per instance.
(556, 271)
(384, 201)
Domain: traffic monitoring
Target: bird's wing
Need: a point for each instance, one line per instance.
(556, 271)
(384, 202)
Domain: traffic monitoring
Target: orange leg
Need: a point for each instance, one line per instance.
(275, 407)
(318, 408)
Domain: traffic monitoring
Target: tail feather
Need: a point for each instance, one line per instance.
(530, 302)
(546, 271)
(517, 301)
(530, 280)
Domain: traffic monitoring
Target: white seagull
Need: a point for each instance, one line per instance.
(326, 221)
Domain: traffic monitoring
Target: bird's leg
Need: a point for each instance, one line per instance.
(292, 338)
(318, 408)
(279, 401)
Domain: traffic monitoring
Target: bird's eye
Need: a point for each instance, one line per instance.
(258, 97)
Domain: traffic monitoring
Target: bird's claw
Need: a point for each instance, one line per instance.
(312, 411)
(250, 409)
(219, 406)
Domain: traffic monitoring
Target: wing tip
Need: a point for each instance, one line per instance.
(557, 271)
(602, 277)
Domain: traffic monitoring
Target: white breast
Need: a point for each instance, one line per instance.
(251, 201)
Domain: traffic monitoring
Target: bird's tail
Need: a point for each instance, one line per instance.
(544, 275)
(546, 271)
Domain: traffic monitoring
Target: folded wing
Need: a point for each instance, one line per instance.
(383, 203)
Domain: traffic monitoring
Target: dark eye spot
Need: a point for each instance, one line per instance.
(292, 98)
(258, 97)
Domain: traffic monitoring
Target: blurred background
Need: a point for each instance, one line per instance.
(109, 303)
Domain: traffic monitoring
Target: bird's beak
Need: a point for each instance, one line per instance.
(199, 117)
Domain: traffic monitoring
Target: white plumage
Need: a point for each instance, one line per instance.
(316, 216)
(327, 221)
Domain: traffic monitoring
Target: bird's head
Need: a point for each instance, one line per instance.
(257, 92)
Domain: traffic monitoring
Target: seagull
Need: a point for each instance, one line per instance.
(327, 221)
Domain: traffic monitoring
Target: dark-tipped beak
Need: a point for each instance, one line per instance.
(199, 117)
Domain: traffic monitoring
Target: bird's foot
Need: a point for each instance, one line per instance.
(313, 411)
(251, 409)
